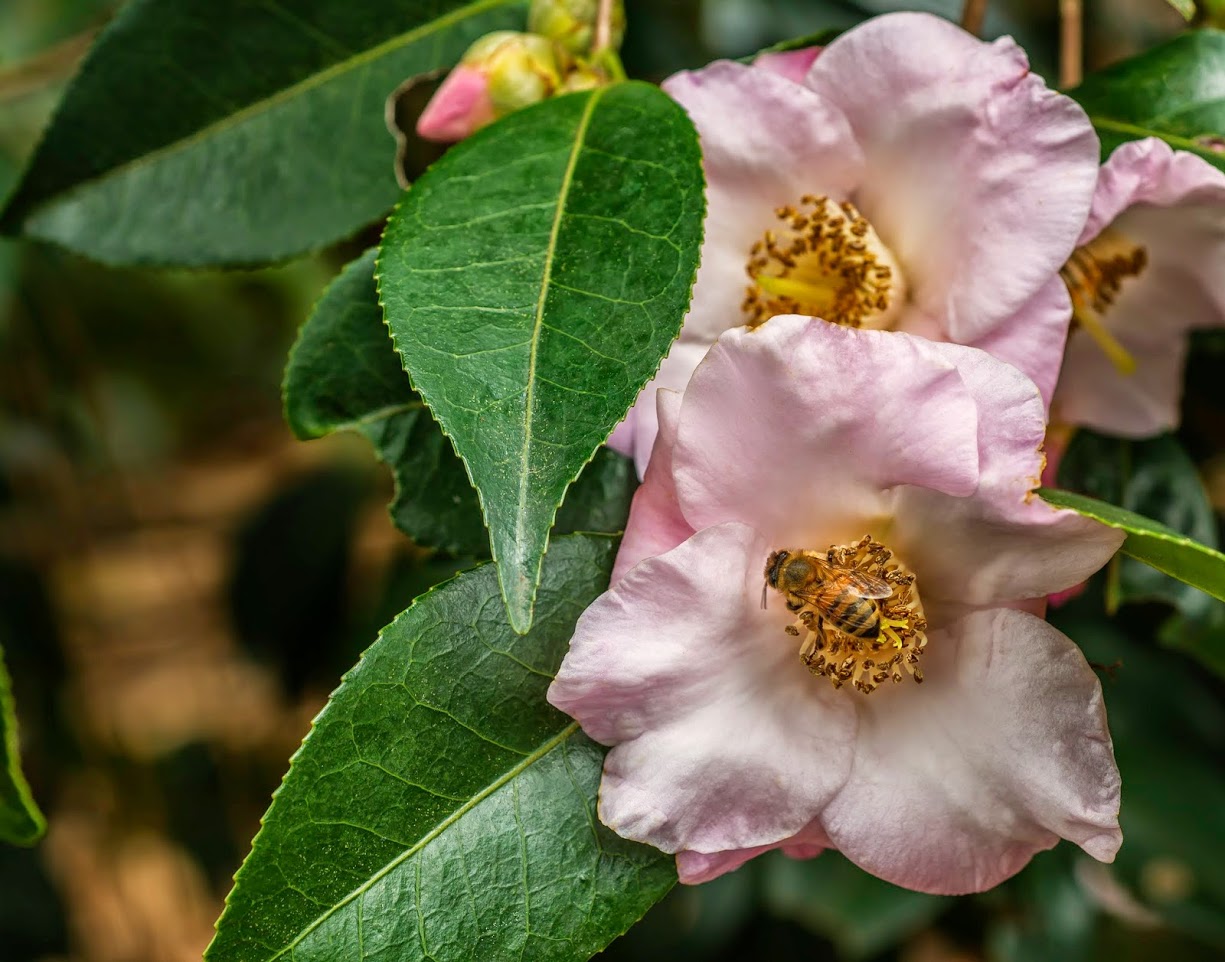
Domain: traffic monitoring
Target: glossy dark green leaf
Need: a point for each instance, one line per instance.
(344, 374)
(861, 914)
(1154, 478)
(21, 822)
(1175, 91)
(226, 131)
(440, 809)
(1152, 542)
(532, 280)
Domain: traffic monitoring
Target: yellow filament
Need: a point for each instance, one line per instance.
(1119, 356)
(816, 293)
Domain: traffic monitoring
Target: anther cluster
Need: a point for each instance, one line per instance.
(820, 262)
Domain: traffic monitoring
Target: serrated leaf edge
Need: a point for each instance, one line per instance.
(535, 581)
(554, 742)
(1159, 532)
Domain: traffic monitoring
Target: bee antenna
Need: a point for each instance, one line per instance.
(764, 586)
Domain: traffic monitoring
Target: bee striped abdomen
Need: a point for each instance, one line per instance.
(855, 616)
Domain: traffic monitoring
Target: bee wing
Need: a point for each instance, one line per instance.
(868, 586)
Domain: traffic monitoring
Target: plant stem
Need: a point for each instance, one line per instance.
(972, 14)
(603, 28)
(1071, 43)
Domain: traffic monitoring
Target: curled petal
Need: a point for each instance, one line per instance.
(1005, 543)
(1034, 338)
(999, 754)
(766, 142)
(800, 428)
(792, 64)
(696, 867)
(722, 741)
(977, 176)
(655, 524)
(673, 375)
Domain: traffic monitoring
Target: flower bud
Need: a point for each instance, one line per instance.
(572, 23)
(500, 73)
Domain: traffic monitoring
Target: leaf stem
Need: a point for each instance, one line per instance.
(972, 14)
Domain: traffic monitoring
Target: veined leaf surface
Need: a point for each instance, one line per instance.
(532, 280)
(439, 808)
(235, 132)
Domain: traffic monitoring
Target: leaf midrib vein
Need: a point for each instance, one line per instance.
(546, 280)
(559, 739)
(1122, 127)
(310, 82)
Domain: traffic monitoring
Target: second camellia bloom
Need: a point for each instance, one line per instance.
(917, 179)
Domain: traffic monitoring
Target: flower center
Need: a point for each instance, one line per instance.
(1094, 274)
(823, 260)
(857, 610)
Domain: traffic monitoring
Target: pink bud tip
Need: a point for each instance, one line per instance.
(459, 107)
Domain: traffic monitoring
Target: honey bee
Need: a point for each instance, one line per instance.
(845, 597)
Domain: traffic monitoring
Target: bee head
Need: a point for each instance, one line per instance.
(774, 565)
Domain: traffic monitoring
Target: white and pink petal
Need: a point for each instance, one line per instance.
(1000, 753)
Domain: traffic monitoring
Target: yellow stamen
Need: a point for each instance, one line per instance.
(823, 259)
(1119, 356)
(1094, 276)
(805, 291)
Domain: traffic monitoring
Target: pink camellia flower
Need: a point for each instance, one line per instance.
(917, 179)
(1148, 269)
(875, 490)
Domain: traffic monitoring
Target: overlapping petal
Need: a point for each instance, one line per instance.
(1005, 544)
(822, 422)
(696, 867)
(976, 174)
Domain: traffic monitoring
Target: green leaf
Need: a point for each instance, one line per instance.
(20, 820)
(862, 915)
(231, 132)
(533, 279)
(1175, 91)
(439, 808)
(1157, 479)
(344, 374)
(1152, 542)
